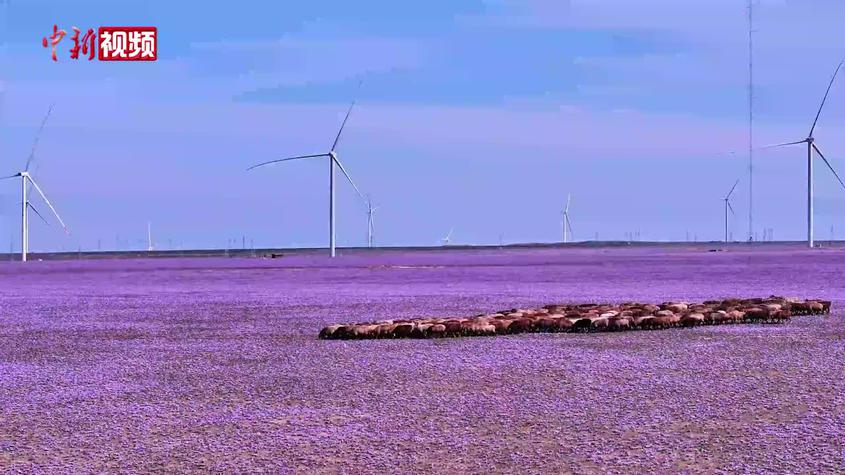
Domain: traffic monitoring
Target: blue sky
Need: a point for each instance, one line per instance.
(474, 115)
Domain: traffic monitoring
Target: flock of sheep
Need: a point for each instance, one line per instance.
(586, 318)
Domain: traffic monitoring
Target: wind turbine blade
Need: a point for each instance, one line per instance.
(730, 207)
(568, 223)
(287, 159)
(10, 176)
(29, 186)
(347, 176)
(568, 200)
(37, 138)
(732, 190)
(38, 213)
(56, 213)
(342, 125)
(825, 97)
(828, 165)
(782, 144)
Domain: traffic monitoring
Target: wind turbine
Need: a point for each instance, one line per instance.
(730, 208)
(27, 183)
(149, 237)
(567, 225)
(333, 161)
(448, 239)
(370, 227)
(811, 146)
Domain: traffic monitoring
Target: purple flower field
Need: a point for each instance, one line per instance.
(213, 365)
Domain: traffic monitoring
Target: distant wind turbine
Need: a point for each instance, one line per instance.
(333, 161)
(149, 237)
(448, 239)
(370, 226)
(567, 225)
(811, 146)
(27, 183)
(728, 208)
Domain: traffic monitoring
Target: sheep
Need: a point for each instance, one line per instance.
(582, 324)
(420, 330)
(675, 307)
(363, 332)
(619, 323)
(328, 332)
(586, 317)
(756, 314)
(403, 330)
(437, 330)
(692, 319)
(649, 322)
(453, 327)
(546, 324)
(564, 324)
(521, 325)
(385, 330)
(501, 326)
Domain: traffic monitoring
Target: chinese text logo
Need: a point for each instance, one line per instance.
(111, 43)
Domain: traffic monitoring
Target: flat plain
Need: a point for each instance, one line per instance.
(213, 365)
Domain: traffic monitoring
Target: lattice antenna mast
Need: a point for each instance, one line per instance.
(750, 120)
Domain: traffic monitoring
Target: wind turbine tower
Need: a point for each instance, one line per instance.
(333, 162)
(448, 239)
(729, 208)
(812, 147)
(370, 226)
(567, 225)
(28, 182)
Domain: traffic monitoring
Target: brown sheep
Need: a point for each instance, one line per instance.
(599, 324)
(692, 320)
(716, 318)
(485, 329)
(328, 332)
(825, 306)
(556, 308)
(650, 322)
(437, 330)
(521, 325)
(643, 321)
(582, 324)
(385, 330)
(362, 332)
(637, 312)
(756, 314)
(650, 308)
(676, 307)
(564, 324)
(666, 321)
(403, 330)
(619, 324)
(501, 326)
(421, 330)
(453, 327)
(546, 324)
